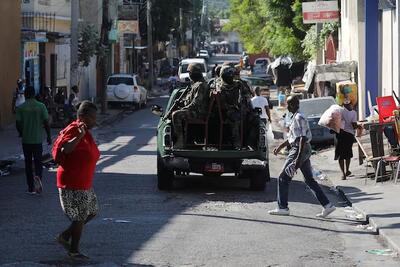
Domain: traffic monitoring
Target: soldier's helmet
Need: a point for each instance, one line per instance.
(194, 68)
(227, 73)
(227, 70)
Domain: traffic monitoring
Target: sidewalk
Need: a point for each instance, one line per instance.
(378, 203)
(10, 143)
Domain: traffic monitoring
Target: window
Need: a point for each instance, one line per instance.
(185, 66)
(120, 80)
(131, 2)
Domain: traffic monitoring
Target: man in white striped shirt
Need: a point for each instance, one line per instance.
(299, 138)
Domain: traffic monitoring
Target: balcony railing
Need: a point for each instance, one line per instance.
(37, 21)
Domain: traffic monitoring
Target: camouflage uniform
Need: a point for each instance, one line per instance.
(195, 106)
(230, 101)
(250, 118)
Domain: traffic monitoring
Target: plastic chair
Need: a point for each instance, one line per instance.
(386, 106)
(394, 159)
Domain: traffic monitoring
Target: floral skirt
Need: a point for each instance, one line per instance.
(78, 204)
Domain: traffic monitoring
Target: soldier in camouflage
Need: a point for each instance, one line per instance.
(250, 118)
(229, 91)
(194, 105)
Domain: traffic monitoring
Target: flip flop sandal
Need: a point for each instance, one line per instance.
(64, 243)
(78, 256)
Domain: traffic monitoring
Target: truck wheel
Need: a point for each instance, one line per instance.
(257, 180)
(165, 177)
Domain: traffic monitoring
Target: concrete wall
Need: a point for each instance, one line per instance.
(352, 43)
(90, 12)
(387, 52)
(62, 8)
(10, 30)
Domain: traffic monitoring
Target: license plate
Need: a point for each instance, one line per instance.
(214, 167)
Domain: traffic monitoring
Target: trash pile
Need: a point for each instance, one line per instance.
(5, 167)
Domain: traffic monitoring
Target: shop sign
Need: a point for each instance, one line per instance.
(320, 12)
(41, 37)
(128, 26)
(31, 50)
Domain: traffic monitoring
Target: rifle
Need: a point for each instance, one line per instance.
(177, 102)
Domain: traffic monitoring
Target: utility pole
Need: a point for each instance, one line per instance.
(150, 44)
(102, 60)
(319, 59)
(74, 42)
(181, 34)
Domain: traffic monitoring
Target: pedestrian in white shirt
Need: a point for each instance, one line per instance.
(345, 138)
(259, 101)
(299, 138)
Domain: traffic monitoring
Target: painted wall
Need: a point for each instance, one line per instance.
(62, 8)
(352, 43)
(10, 30)
(90, 12)
(387, 52)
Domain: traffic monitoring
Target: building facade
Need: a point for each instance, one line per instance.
(10, 29)
(46, 30)
(370, 35)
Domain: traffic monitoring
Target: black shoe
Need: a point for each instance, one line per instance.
(78, 256)
(60, 239)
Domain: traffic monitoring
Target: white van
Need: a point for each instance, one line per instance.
(184, 64)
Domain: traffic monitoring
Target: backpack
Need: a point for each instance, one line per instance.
(58, 156)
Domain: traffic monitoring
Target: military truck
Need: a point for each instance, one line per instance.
(207, 149)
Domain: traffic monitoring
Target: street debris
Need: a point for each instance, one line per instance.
(122, 221)
(366, 227)
(381, 252)
(116, 220)
(5, 167)
(317, 174)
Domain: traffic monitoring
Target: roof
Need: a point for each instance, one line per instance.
(193, 60)
(317, 99)
(122, 75)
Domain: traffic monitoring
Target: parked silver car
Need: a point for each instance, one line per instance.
(126, 89)
(313, 108)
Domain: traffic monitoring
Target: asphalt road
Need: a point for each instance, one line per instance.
(201, 222)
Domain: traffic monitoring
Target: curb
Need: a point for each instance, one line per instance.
(371, 221)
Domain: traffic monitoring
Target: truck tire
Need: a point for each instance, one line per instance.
(257, 179)
(165, 177)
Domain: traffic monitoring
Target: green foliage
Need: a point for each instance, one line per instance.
(313, 41)
(275, 26)
(88, 44)
(165, 15)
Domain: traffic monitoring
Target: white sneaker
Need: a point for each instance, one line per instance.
(328, 209)
(278, 211)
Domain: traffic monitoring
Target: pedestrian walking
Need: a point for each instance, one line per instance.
(261, 102)
(299, 138)
(345, 138)
(19, 95)
(71, 102)
(31, 119)
(77, 154)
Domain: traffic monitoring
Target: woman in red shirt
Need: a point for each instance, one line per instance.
(75, 177)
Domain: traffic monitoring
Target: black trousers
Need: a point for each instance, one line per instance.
(32, 151)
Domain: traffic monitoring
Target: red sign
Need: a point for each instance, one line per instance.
(320, 12)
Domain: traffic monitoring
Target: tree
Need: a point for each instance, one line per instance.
(272, 25)
(88, 44)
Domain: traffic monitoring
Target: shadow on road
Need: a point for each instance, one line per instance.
(132, 210)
